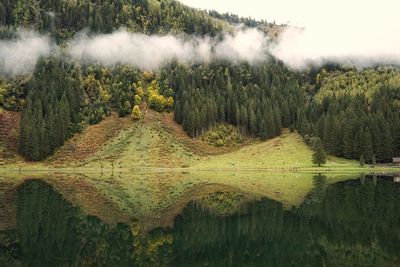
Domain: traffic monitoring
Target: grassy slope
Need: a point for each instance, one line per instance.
(84, 145)
(157, 142)
(285, 152)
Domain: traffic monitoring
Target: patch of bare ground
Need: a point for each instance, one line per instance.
(9, 132)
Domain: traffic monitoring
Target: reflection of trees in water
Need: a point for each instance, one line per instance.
(346, 224)
(54, 233)
(349, 223)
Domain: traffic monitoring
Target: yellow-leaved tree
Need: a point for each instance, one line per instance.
(136, 113)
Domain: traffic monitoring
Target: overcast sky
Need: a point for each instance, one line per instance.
(308, 12)
(363, 32)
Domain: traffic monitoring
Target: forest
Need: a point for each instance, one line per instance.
(356, 113)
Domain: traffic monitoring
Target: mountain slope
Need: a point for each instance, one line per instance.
(64, 18)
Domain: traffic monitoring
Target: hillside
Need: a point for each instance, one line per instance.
(159, 142)
(64, 18)
(72, 104)
(356, 113)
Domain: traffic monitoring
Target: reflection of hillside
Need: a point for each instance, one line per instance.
(154, 199)
(346, 224)
(351, 223)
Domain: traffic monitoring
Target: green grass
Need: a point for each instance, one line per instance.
(143, 145)
(285, 152)
(149, 145)
(157, 144)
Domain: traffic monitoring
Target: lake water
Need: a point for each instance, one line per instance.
(348, 223)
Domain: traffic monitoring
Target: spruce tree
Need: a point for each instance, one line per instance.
(319, 155)
(362, 160)
(373, 160)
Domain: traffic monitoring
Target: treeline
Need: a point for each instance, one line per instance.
(356, 114)
(235, 19)
(259, 99)
(52, 111)
(64, 18)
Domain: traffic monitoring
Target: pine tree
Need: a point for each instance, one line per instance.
(362, 160)
(373, 160)
(319, 156)
(277, 121)
(252, 122)
(48, 120)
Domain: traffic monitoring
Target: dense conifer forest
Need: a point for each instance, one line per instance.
(355, 113)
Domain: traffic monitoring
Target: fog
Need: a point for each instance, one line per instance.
(359, 44)
(302, 47)
(149, 52)
(19, 55)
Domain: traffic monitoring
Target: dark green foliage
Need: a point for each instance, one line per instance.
(9, 248)
(249, 97)
(362, 232)
(373, 161)
(235, 19)
(319, 155)
(52, 112)
(353, 122)
(64, 18)
(222, 135)
(362, 161)
(51, 232)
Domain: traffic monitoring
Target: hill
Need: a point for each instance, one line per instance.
(354, 113)
(157, 143)
(64, 18)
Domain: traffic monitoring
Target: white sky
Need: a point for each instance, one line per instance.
(307, 12)
(360, 31)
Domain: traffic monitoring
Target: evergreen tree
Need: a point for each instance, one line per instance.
(46, 121)
(362, 160)
(373, 160)
(319, 155)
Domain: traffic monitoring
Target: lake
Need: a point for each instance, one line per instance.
(342, 222)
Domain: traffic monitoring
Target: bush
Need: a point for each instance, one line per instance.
(222, 135)
(136, 113)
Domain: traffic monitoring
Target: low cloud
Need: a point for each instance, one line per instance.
(356, 44)
(351, 44)
(19, 55)
(149, 52)
(146, 52)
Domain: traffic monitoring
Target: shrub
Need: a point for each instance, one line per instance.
(222, 135)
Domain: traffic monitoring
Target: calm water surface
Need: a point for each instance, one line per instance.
(351, 223)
